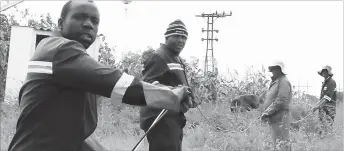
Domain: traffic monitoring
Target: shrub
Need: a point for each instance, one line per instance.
(118, 124)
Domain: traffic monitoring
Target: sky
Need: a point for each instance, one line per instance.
(305, 35)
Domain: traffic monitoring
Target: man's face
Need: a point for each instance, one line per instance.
(274, 71)
(176, 43)
(324, 73)
(81, 23)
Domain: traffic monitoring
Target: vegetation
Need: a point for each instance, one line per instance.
(118, 127)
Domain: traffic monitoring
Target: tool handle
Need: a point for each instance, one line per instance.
(162, 113)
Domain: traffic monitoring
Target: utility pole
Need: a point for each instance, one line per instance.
(209, 65)
(339, 88)
(302, 87)
(126, 2)
(126, 26)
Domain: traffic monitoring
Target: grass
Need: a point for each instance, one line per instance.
(118, 129)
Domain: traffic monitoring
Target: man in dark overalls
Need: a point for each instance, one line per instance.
(58, 100)
(166, 67)
(327, 103)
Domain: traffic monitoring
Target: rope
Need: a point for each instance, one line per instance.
(302, 118)
(163, 112)
(249, 125)
(226, 130)
(216, 127)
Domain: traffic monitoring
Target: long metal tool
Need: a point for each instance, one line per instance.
(164, 111)
(157, 119)
(160, 116)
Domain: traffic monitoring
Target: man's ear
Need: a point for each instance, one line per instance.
(60, 23)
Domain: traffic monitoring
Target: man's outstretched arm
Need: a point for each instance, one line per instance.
(72, 67)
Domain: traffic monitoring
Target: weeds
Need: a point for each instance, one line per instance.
(118, 125)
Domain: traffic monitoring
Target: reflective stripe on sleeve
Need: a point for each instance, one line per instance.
(121, 87)
(40, 67)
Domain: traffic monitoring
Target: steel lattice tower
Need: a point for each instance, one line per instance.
(209, 65)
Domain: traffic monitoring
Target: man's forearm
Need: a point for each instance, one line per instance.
(275, 106)
(320, 103)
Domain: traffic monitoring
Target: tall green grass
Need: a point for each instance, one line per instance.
(118, 129)
(118, 124)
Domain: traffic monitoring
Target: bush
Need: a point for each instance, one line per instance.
(118, 124)
(4, 48)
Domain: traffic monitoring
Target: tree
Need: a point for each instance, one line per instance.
(106, 54)
(44, 22)
(132, 64)
(3, 67)
(146, 54)
(4, 48)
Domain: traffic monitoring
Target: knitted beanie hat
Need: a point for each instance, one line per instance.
(177, 27)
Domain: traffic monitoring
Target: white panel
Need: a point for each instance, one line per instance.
(19, 55)
(93, 50)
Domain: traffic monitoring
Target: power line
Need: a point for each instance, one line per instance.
(10, 4)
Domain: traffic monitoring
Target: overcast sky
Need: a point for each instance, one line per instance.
(305, 35)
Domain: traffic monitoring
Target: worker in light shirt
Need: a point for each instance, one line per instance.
(277, 106)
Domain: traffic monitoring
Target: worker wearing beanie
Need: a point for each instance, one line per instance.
(166, 67)
(277, 105)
